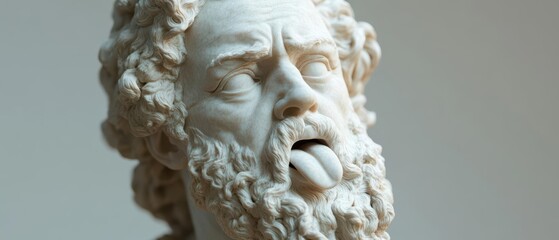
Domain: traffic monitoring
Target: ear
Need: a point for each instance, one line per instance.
(167, 153)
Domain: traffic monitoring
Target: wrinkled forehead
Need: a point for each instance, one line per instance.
(222, 25)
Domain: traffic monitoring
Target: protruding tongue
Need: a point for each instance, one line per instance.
(318, 164)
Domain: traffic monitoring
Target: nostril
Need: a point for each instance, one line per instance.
(291, 111)
(297, 100)
(314, 108)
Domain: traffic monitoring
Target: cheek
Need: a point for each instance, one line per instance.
(246, 122)
(207, 115)
(335, 101)
(336, 91)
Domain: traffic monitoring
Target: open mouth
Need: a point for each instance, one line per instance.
(291, 166)
(317, 162)
(299, 146)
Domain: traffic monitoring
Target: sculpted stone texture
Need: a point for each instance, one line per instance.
(247, 117)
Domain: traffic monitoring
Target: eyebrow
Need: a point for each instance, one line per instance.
(259, 51)
(310, 43)
(252, 54)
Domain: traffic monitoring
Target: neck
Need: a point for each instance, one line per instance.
(204, 223)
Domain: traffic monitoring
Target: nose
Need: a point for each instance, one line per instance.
(298, 99)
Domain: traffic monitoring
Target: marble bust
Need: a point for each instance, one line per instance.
(247, 117)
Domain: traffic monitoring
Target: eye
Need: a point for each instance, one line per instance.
(239, 82)
(315, 68)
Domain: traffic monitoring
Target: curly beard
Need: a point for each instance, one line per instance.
(253, 198)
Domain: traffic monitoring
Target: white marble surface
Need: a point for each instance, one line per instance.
(261, 114)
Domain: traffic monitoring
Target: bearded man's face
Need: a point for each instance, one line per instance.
(275, 148)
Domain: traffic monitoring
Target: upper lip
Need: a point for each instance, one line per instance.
(310, 134)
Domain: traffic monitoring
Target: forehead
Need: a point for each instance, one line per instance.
(223, 25)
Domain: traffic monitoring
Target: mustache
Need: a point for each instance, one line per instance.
(291, 130)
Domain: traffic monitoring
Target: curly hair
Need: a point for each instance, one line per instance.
(140, 67)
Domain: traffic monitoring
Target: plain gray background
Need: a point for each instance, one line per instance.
(466, 96)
